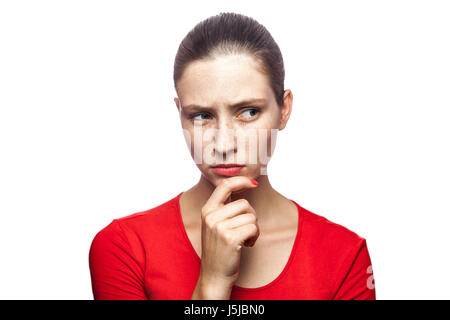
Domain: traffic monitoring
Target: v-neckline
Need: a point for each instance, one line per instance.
(270, 284)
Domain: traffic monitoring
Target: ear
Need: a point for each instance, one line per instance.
(286, 109)
(177, 102)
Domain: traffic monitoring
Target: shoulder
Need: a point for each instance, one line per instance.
(323, 233)
(339, 254)
(329, 244)
(127, 231)
(150, 218)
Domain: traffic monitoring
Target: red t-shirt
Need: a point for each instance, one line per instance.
(148, 255)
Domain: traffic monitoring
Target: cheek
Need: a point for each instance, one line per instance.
(266, 144)
(200, 142)
(257, 145)
(188, 134)
(271, 140)
(268, 137)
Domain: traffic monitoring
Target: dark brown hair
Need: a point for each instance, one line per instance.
(232, 33)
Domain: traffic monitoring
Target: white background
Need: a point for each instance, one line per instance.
(89, 130)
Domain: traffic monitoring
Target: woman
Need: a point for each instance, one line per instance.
(232, 235)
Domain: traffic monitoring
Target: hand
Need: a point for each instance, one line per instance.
(226, 227)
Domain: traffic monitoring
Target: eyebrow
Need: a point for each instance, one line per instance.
(234, 105)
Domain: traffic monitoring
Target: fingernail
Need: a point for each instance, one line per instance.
(254, 182)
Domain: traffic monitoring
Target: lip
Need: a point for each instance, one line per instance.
(228, 165)
(228, 169)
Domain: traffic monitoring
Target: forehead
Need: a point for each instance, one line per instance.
(223, 80)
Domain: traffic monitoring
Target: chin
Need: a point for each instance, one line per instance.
(252, 172)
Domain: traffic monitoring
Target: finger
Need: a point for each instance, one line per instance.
(239, 220)
(223, 191)
(246, 232)
(251, 241)
(231, 210)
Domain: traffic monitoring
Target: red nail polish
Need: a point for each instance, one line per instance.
(254, 182)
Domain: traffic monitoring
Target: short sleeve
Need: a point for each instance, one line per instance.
(115, 272)
(356, 277)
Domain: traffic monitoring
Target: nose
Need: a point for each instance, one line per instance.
(225, 141)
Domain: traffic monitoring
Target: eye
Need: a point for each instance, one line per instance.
(252, 112)
(194, 117)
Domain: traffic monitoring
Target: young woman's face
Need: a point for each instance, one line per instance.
(229, 115)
